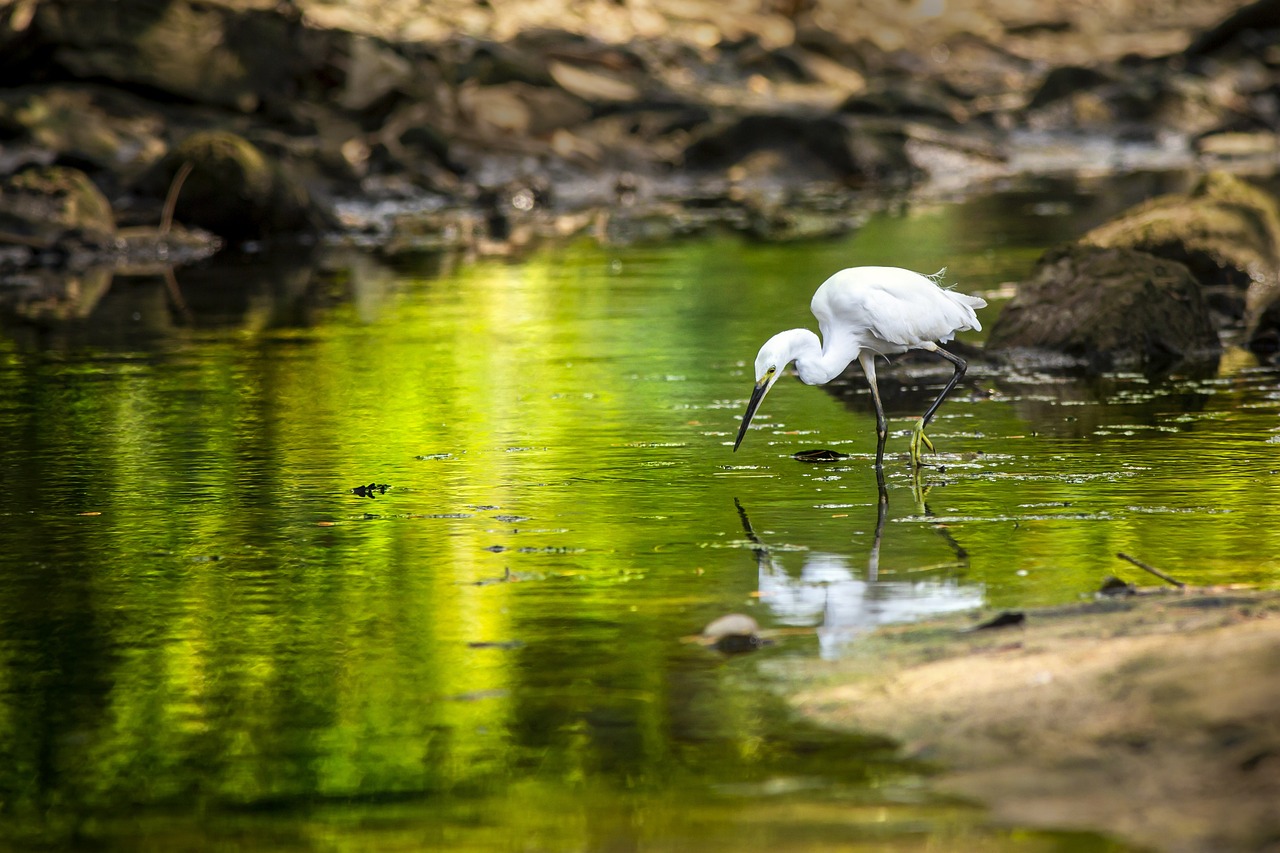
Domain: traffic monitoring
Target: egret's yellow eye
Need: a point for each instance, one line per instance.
(771, 371)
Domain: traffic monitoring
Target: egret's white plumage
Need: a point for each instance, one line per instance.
(864, 312)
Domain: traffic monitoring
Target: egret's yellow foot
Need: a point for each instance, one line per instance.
(918, 438)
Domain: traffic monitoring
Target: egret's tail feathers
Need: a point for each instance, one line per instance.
(968, 304)
(974, 302)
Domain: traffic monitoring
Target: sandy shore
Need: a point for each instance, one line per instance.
(1155, 718)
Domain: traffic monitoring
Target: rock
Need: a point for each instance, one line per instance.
(801, 146)
(1265, 338)
(1239, 146)
(374, 69)
(90, 126)
(1107, 306)
(43, 207)
(1226, 231)
(733, 633)
(145, 250)
(494, 63)
(409, 142)
(234, 189)
(1259, 15)
(519, 110)
(212, 54)
(729, 625)
(907, 99)
(591, 85)
(1065, 81)
(1138, 103)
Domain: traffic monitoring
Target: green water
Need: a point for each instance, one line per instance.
(209, 642)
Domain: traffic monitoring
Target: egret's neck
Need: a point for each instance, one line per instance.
(818, 362)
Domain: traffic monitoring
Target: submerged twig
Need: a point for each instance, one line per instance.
(1147, 568)
(171, 200)
(175, 293)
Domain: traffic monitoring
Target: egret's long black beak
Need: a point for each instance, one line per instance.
(762, 388)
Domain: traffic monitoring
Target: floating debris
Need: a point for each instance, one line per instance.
(509, 576)
(370, 490)
(478, 695)
(506, 576)
(820, 455)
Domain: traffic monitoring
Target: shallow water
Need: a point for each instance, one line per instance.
(208, 641)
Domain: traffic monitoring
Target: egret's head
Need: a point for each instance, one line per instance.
(773, 358)
(779, 351)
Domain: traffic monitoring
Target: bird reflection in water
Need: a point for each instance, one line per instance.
(843, 602)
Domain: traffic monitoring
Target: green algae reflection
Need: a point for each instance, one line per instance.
(207, 640)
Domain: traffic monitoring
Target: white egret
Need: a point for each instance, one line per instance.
(864, 312)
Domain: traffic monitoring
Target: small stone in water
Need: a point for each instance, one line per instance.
(1114, 586)
(734, 633)
(1007, 619)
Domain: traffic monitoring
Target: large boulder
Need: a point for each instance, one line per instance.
(234, 189)
(211, 53)
(1226, 231)
(1103, 307)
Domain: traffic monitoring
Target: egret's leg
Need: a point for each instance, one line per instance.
(867, 360)
(917, 436)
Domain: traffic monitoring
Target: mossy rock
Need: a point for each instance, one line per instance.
(43, 206)
(234, 189)
(1227, 232)
(1103, 307)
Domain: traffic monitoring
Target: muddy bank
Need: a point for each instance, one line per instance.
(1149, 717)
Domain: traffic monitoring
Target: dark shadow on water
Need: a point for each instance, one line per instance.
(278, 288)
(1069, 402)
